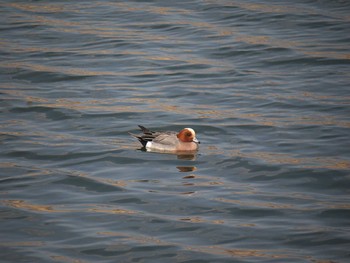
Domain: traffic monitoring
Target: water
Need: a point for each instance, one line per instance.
(265, 84)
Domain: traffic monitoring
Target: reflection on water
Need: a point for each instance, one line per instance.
(186, 169)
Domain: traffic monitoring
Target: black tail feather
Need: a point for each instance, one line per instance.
(141, 140)
(147, 135)
(145, 130)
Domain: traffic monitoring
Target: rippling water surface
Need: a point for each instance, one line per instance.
(265, 84)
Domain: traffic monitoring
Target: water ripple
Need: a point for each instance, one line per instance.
(265, 86)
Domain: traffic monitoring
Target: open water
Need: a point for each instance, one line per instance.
(266, 86)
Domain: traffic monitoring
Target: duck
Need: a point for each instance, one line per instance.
(168, 141)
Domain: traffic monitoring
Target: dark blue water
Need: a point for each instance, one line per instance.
(266, 86)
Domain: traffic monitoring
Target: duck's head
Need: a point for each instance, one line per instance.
(187, 135)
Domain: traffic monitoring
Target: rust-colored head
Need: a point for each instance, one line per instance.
(187, 135)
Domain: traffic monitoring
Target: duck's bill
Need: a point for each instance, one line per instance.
(196, 141)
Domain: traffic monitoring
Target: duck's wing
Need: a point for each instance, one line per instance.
(147, 134)
(166, 138)
(152, 136)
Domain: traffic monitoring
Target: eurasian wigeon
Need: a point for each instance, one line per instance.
(169, 141)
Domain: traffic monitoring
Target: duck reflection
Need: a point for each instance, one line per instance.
(190, 156)
(186, 169)
(186, 156)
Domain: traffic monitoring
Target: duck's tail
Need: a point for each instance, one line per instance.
(142, 138)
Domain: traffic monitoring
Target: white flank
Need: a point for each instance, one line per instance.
(149, 145)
